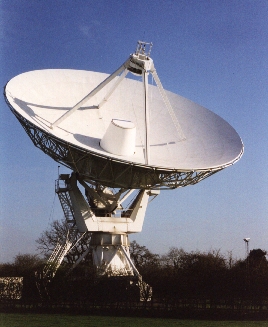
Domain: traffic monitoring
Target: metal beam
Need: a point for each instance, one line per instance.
(168, 105)
(91, 94)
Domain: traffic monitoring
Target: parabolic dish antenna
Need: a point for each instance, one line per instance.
(117, 134)
(124, 132)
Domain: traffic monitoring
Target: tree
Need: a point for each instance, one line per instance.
(258, 257)
(258, 273)
(24, 265)
(191, 274)
(142, 257)
(175, 258)
(56, 234)
(63, 281)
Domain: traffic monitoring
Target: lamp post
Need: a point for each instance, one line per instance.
(246, 240)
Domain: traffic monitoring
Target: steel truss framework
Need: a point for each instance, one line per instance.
(107, 171)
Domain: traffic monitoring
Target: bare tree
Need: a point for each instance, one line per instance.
(56, 234)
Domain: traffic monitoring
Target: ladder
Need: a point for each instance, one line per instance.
(62, 248)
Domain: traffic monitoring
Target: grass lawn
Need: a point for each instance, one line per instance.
(49, 320)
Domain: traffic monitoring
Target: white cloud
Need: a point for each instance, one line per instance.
(90, 30)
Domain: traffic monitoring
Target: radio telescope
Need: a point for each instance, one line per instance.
(123, 139)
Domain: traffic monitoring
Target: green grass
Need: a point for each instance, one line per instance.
(64, 320)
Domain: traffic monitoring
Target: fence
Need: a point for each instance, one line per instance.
(182, 308)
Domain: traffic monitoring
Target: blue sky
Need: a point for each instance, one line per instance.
(212, 52)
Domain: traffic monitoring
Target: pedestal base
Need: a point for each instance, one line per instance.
(111, 255)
